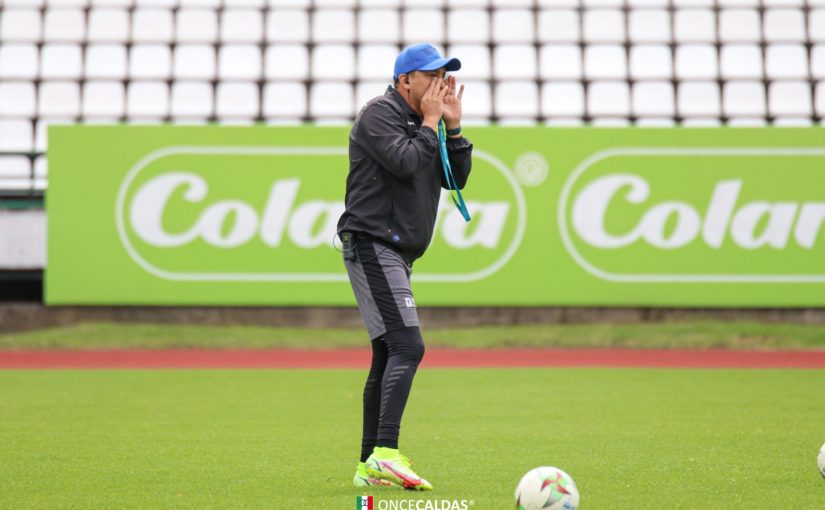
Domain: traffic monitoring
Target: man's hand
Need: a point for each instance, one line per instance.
(432, 103)
(451, 110)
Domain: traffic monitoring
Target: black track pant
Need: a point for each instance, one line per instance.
(395, 359)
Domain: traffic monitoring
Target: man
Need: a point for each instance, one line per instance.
(393, 189)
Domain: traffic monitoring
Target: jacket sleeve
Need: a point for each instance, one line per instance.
(460, 152)
(385, 139)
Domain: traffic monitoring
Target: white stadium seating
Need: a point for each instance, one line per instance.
(555, 62)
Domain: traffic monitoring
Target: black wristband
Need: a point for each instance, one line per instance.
(453, 132)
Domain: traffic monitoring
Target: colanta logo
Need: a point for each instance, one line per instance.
(248, 213)
(697, 215)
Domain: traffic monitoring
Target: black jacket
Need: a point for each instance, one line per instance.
(395, 175)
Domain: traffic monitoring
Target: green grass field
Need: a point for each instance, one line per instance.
(632, 439)
(683, 335)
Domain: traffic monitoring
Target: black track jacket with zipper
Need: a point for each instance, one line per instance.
(395, 175)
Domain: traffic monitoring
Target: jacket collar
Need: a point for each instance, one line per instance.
(398, 98)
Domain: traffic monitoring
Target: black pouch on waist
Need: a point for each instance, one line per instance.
(348, 245)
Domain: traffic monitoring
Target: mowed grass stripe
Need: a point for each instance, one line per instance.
(640, 439)
(682, 335)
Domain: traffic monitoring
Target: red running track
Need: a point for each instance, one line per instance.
(442, 358)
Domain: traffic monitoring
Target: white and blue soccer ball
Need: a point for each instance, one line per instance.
(820, 460)
(547, 488)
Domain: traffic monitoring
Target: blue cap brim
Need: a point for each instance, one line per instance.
(450, 64)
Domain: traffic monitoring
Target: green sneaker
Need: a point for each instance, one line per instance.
(363, 479)
(389, 464)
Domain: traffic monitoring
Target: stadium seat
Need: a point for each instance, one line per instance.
(783, 61)
(654, 122)
(819, 99)
(558, 26)
(379, 26)
(331, 100)
(604, 26)
(333, 26)
(514, 62)
(16, 135)
(790, 99)
(694, 25)
(287, 25)
(58, 99)
(367, 90)
(64, 25)
(739, 25)
(784, 25)
(475, 61)
(653, 99)
(513, 26)
(237, 100)
(468, 26)
(212, 4)
(150, 61)
(103, 99)
(605, 61)
(14, 172)
(562, 99)
(696, 62)
(333, 62)
(698, 99)
(818, 61)
(105, 61)
(738, 61)
(816, 24)
(516, 99)
(289, 4)
(152, 26)
(61, 61)
(192, 100)
(286, 62)
(239, 62)
(41, 172)
(242, 26)
(194, 62)
(743, 99)
(147, 100)
(560, 61)
(19, 61)
(196, 26)
(749, 122)
(108, 26)
(792, 122)
(649, 26)
(376, 61)
(608, 99)
(422, 25)
(285, 100)
(651, 61)
(20, 25)
(477, 102)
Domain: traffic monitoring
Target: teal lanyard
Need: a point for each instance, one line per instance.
(455, 193)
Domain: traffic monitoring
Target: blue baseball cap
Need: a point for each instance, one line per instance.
(422, 57)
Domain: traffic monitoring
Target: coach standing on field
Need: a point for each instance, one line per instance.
(393, 188)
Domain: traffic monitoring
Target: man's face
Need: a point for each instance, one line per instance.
(419, 82)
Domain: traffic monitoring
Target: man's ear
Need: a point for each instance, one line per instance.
(405, 81)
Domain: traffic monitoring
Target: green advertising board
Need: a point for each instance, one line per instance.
(164, 215)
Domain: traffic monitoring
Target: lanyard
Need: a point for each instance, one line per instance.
(455, 193)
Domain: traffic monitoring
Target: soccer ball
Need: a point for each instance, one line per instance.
(546, 488)
(820, 460)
